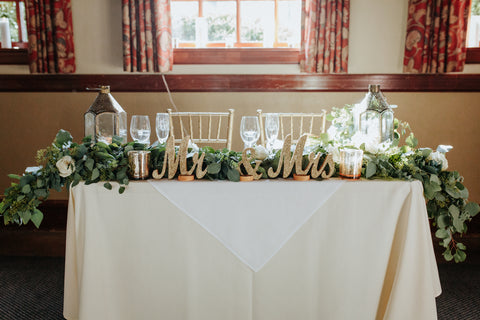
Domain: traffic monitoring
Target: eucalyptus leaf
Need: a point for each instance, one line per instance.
(37, 218)
(233, 175)
(447, 255)
(454, 211)
(461, 246)
(14, 176)
(26, 189)
(458, 224)
(89, 164)
(214, 168)
(95, 174)
(25, 215)
(472, 208)
(371, 169)
(442, 234)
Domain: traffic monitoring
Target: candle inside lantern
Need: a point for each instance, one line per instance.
(351, 163)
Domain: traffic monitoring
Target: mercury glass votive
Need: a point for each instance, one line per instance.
(351, 163)
(138, 161)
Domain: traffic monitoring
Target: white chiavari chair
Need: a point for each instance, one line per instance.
(204, 128)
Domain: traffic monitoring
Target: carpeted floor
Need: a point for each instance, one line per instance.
(31, 288)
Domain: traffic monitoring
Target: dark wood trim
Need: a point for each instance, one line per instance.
(236, 56)
(243, 82)
(473, 55)
(13, 56)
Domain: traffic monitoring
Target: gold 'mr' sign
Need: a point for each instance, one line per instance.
(288, 161)
(175, 161)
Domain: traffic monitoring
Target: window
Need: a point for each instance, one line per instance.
(236, 24)
(473, 34)
(13, 32)
(13, 25)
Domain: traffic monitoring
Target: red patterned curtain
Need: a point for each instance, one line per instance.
(50, 36)
(324, 46)
(147, 35)
(436, 36)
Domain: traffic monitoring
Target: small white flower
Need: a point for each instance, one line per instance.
(66, 166)
(260, 152)
(439, 157)
(193, 146)
(33, 169)
(444, 148)
(335, 152)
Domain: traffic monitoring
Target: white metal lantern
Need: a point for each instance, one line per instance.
(105, 118)
(377, 120)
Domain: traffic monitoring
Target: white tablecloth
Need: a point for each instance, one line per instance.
(366, 253)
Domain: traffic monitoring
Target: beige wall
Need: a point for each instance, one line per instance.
(31, 120)
(377, 32)
(376, 43)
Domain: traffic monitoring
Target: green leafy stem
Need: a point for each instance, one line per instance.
(445, 194)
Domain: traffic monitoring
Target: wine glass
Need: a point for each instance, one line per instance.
(249, 130)
(162, 127)
(140, 129)
(272, 122)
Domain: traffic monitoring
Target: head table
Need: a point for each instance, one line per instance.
(270, 249)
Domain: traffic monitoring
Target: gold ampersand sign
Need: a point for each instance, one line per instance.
(246, 162)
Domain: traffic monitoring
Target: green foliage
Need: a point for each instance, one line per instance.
(445, 195)
(220, 27)
(475, 7)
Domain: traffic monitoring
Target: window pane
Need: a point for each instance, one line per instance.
(474, 25)
(257, 22)
(8, 12)
(289, 15)
(184, 14)
(221, 20)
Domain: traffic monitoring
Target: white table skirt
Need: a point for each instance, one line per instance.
(366, 253)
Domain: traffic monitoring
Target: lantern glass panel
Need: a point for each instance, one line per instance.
(387, 126)
(90, 125)
(105, 125)
(122, 126)
(370, 124)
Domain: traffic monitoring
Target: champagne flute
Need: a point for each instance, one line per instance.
(140, 129)
(272, 123)
(162, 127)
(249, 130)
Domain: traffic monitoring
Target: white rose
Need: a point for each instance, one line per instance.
(439, 157)
(66, 166)
(261, 153)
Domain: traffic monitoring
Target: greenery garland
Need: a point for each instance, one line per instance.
(66, 163)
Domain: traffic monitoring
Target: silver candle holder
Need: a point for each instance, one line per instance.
(138, 161)
(351, 163)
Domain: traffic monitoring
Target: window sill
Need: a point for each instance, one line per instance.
(13, 56)
(236, 56)
(473, 55)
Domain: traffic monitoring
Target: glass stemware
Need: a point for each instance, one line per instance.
(272, 124)
(140, 129)
(162, 126)
(249, 130)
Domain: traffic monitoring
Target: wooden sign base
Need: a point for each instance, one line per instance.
(186, 178)
(300, 177)
(246, 178)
